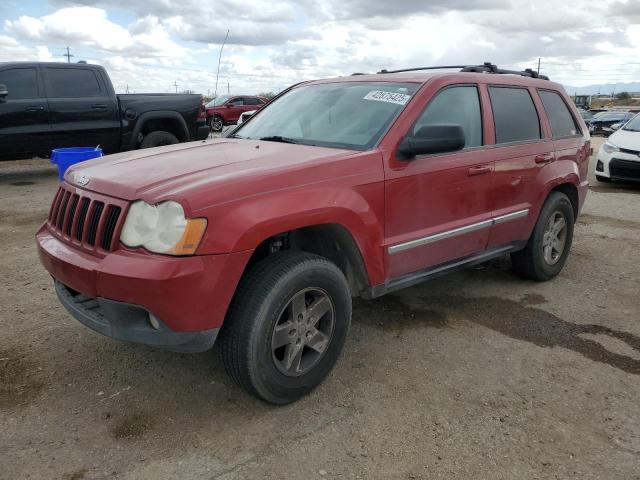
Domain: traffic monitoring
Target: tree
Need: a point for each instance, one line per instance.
(623, 96)
(267, 94)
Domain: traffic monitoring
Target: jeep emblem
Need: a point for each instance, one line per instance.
(82, 180)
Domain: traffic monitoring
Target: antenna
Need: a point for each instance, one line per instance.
(215, 93)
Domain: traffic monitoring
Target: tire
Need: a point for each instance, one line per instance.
(158, 139)
(263, 306)
(537, 263)
(217, 123)
(603, 179)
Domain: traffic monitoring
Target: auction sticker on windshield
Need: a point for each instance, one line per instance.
(389, 97)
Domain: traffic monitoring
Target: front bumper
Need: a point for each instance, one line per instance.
(618, 166)
(185, 294)
(130, 323)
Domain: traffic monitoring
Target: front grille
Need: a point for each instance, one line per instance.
(631, 152)
(624, 169)
(88, 220)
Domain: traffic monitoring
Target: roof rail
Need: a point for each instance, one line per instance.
(486, 67)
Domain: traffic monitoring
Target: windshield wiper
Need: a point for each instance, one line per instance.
(278, 138)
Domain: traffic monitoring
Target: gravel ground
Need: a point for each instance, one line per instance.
(474, 375)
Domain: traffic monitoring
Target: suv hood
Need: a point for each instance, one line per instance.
(159, 173)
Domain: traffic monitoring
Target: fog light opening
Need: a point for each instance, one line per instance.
(153, 320)
(599, 166)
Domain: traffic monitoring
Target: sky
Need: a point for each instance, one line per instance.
(152, 45)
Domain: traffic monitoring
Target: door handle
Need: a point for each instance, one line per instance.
(34, 108)
(479, 170)
(544, 158)
(99, 106)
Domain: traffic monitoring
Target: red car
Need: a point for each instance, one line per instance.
(226, 109)
(339, 188)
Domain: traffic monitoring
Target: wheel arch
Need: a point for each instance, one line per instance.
(161, 120)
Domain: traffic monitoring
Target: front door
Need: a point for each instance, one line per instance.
(235, 107)
(24, 114)
(83, 111)
(438, 207)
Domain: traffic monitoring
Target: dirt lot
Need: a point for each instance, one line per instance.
(476, 375)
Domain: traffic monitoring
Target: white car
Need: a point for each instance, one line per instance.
(619, 156)
(244, 116)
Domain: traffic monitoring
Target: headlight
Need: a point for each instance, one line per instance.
(162, 228)
(609, 147)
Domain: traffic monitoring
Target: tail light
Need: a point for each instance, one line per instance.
(202, 114)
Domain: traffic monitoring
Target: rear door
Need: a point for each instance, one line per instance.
(83, 109)
(438, 207)
(24, 113)
(522, 147)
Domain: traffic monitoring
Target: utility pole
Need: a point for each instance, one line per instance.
(68, 55)
(228, 88)
(175, 84)
(538, 65)
(215, 93)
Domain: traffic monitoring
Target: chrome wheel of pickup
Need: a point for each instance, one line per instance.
(303, 332)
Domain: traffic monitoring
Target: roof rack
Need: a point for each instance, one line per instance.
(486, 67)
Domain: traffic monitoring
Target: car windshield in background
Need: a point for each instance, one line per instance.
(633, 125)
(351, 115)
(219, 100)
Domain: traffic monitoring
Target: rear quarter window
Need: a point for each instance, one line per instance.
(514, 115)
(562, 122)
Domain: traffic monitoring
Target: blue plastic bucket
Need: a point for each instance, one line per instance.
(65, 157)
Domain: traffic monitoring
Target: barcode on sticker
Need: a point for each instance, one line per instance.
(389, 97)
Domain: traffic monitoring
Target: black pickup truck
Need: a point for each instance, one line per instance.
(50, 105)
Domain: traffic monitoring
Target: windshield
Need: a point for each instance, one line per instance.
(633, 125)
(352, 115)
(219, 100)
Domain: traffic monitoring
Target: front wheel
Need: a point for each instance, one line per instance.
(602, 179)
(548, 247)
(217, 123)
(158, 139)
(286, 326)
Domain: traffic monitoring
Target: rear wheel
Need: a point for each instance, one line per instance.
(158, 139)
(548, 247)
(286, 326)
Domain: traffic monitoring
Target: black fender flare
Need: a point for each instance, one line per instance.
(163, 115)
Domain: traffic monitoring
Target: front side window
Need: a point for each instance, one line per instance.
(21, 83)
(72, 82)
(459, 106)
(351, 115)
(561, 120)
(514, 115)
(237, 102)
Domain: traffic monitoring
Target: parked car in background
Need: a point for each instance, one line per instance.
(226, 109)
(51, 105)
(619, 156)
(601, 122)
(339, 188)
(585, 114)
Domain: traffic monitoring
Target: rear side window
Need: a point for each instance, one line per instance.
(514, 115)
(72, 82)
(252, 101)
(20, 83)
(561, 120)
(455, 105)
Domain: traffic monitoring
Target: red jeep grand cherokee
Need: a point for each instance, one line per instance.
(339, 188)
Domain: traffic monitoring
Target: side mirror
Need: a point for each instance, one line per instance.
(433, 139)
(3, 91)
(229, 105)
